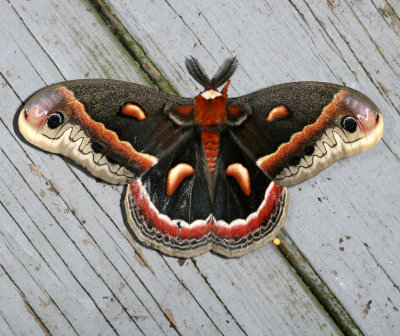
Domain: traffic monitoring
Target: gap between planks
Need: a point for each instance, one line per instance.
(287, 247)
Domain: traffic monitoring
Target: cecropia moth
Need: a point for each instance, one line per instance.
(204, 173)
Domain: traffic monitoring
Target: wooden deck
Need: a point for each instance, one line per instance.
(67, 263)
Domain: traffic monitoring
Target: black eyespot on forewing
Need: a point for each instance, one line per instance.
(55, 119)
(349, 124)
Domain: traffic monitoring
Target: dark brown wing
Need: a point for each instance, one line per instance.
(116, 130)
(295, 130)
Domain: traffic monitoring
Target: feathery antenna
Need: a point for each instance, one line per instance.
(225, 72)
(197, 72)
(222, 75)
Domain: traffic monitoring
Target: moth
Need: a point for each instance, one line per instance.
(203, 173)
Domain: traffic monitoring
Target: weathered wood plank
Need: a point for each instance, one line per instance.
(66, 231)
(346, 219)
(5, 327)
(16, 306)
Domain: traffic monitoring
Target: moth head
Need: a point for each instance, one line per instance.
(43, 116)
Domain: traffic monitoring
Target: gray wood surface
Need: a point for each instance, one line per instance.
(67, 264)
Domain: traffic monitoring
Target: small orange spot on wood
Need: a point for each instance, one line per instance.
(276, 241)
(278, 112)
(35, 169)
(133, 110)
(242, 176)
(176, 175)
(43, 303)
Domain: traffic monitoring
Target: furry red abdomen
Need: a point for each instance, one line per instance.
(210, 142)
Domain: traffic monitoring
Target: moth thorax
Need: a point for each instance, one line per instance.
(210, 141)
(210, 94)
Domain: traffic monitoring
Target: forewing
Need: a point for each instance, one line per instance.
(295, 130)
(114, 129)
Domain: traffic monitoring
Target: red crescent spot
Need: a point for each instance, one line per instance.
(133, 110)
(278, 112)
(176, 175)
(242, 176)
